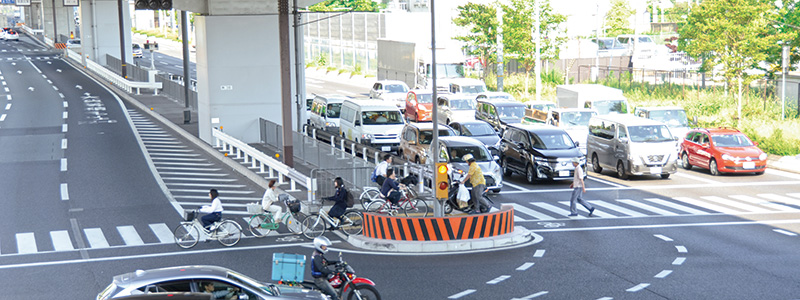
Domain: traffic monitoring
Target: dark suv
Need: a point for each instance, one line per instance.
(499, 113)
(541, 152)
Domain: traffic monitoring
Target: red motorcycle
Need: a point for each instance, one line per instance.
(347, 285)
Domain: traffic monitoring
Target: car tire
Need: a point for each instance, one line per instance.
(759, 173)
(496, 191)
(665, 176)
(621, 170)
(596, 164)
(506, 171)
(530, 175)
(713, 168)
(416, 117)
(416, 160)
(685, 161)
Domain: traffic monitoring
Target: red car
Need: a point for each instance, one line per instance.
(722, 150)
(419, 105)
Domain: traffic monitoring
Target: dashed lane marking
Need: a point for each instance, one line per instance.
(498, 279)
(681, 249)
(781, 231)
(638, 287)
(462, 294)
(663, 237)
(531, 296)
(64, 192)
(525, 266)
(663, 274)
(539, 253)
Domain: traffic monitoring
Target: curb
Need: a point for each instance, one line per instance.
(784, 163)
(520, 237)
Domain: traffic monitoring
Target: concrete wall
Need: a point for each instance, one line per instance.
(64, 19)
(100, 30)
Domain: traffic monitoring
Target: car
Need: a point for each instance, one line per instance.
(452, 151)
(325, 112)
(536, 111)
(419, 105)
(374, 123)
(540, 152)
(674, 117)
(499, 113)
(137, 51)
(4, 32)
(467, 86)
(454, 108)
(416, 141)
(480, 131)
(575, 121)
(609, 46)
(73, 44)
(722, 150)
(187, 279)
(495, 96)
(12, 36)
(390, 90)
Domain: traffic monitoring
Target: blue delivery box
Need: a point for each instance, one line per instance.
(288, 267)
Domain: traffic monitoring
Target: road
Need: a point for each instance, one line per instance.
(692, 236)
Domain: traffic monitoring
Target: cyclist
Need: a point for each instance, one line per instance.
(214, 211)
(391, 188)
(340, 199)
(269, 199)
(380, 169)
(319, 266)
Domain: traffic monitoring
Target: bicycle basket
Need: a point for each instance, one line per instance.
(254, 208)
(294, 205)
(189, 215)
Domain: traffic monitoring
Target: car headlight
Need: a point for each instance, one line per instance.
(539, 159)
(763, 156)
(327, 124)
(366, 136)
(727, 157)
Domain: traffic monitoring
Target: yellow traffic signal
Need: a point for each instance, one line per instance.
(442, 182)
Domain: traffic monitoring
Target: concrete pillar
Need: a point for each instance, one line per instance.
(238, 73)
(33, 15)
(63, 18)
(100, 30)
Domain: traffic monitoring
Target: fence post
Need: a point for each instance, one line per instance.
(333, 146)
(365, 156)
(376, 157)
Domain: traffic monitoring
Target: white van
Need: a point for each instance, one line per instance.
(325, 111)
(605, 100)
(631, 145)
(468, 86)
(375, 123)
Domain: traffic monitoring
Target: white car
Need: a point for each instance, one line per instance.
(456, 108)
(394, 91)
(74, 44)
(495, 96)
(11, 36)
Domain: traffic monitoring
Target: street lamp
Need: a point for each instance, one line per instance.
(784, 69)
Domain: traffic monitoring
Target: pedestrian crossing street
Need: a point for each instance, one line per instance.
(189, 175)
(676, 206)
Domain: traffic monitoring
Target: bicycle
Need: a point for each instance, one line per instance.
(261, 224)
(372, 193)
(406, 204)
(187, 234)
(316, 224)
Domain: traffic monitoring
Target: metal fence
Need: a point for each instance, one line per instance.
(135, 73)
(174, 90)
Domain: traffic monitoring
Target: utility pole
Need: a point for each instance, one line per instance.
(122, 46)
(785, 68)
(187, 113)
(438, 209)
(499, 49)
(538, 65)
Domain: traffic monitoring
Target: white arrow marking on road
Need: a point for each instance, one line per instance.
(30, 89)
(19, 72)
(57, 70)
(79, 87)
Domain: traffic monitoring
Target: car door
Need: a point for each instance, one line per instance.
(443, 108)
(226, 290)
(704, 154)
(621, 143)
(375, 89)
(516, 146)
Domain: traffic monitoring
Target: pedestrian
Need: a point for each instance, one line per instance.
(475, 177)
(270, 203)
(578, 188)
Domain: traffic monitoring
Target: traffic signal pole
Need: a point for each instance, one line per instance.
(438, 209)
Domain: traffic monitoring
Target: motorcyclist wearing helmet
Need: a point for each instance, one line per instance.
(319, 266)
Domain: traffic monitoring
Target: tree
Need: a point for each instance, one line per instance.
(518, 33)
(481, 21)
(732, 34)
(788, 27)
(355, 5)
(618, 18)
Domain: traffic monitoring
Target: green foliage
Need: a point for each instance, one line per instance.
(481, 22)
(357, 70)
(322, 59)
(518, 28)
(617, 18)
(787, 17)
(355, 5)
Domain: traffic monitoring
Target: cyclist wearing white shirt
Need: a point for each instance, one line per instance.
(380, 169)
(269, 199)
(213, 211)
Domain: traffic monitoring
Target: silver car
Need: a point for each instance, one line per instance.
(390, 90)
(453, 148)
(199, 279)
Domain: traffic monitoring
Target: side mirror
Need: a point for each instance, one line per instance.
(577, 144)
(496, 158)
(357, 123)
(623, 140)
(520, 145)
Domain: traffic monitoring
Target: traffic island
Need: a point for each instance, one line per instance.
(443, 234)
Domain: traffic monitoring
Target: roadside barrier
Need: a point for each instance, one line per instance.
(439, 229)
(112, 77)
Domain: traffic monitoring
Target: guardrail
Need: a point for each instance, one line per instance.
(112, 77)
(261, 161)
(28, 30)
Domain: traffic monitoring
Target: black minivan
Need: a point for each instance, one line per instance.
(541, 152)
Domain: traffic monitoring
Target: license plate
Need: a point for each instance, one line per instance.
(563, 173)
(749, 165)
(655, 170)
(386, 148)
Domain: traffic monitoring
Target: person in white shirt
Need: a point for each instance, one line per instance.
(578, 188)
(380, 169)
(269, 202)
(213, 211)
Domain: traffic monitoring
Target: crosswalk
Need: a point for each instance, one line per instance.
(15, 59)
(188, 174)
(675, 206)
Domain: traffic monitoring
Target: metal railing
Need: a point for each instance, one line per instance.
(261, 161)
(112, 77)
(174, 90)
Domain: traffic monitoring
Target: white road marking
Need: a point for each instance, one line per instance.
(64, 127)
(663, 237)
(696, 178)
(597, 212)
(531, 296)
(781, 231)
(4, 83)
(6, 89)
(129, 235)
(606, 182)
(519, 208)
(681, 249)
(201, 179)
(64, 192)
(66, 104)
(506, 183)
(539, 253)
(614, 207)
(758, 201)
(782, 173)
(61, 95)
(55, 87)
(163, 233)
(64, 115)
(679, 261)
(647, 207)
(96, 238)
(61, 240)
(555, 209)
(606, 298)
(663, 274)
(2, 117)
(63, 164)
(706, 205)
(736, 204)
(779, 198)
(8, 97)
(676, 206)
(638, 287)
(498, 279)
(26, 243)
(665, 187)
(8, 106)
(50, 82)
(462, 294)
(709, 224)
(64, 143)
(525, 266)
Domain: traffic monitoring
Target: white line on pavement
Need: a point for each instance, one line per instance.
(462, 294)
(8, 106)
(498, 279)
(61, 240)
(638, 287)
(539, 253)
(679, 261)
(64, 115)
(695, 178)
(66, 104)
(62, 96)
(663, 274)
(64, 143)
(525, 266)
(63, 127)
(531, 296)
(663, 237)
(736, 223)
(8, 97)
(26, 243)
(681, 249)
(506, 183)
(606, 298)
(605, 182)
(781, 231)
(3, 117)
(64, 192)
(665, 187)
(63, 164)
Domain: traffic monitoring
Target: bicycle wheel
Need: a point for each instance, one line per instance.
(368, 196)
(186, 235)
(376, 207)
(293, 224)
(228, 233)
(352, 222)
(362, 291)
(412, 192)
(313, 226)
(415, 208)
(257, 225)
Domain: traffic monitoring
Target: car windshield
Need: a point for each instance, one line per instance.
(334, 109)
(136, 47)
(606, 44)
(552, 141)
(478, 129)
(546, 107)
(462, 104)
(381, 117)
(731, 140)
(248, 282)
(472, 89)
(576, 119)
(478, 152)
(649, 133)
(673, 118)
(425, 136)
(448, 70)
(511, 114)
(610, 106)
(396, 88)
(424, 98)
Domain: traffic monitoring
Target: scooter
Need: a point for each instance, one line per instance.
(347, 285)
(452, 199)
